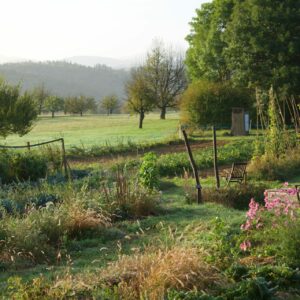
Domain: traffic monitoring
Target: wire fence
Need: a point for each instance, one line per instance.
(29, 146)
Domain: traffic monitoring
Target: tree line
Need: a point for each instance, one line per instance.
(46, 102)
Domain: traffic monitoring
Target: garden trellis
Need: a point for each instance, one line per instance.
(29, 146)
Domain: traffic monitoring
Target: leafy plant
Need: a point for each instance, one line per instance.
(148, 172)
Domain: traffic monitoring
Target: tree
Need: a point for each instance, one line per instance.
(79, 105)
(17, 112)
(109, 103)
(250, 42)
(205, 57)
(39, 95)
(264, 45)
(139, 95)
(210, 103)
(166, 76)
(54, 104)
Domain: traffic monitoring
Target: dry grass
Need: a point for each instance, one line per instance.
(128, 199)
(80, 219)
(150, 275)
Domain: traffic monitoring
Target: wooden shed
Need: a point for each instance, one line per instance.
(240, 122)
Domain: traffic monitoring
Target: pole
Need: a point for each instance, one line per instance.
(64, 157)
(216, 157)
(193, 165)
(28, 146)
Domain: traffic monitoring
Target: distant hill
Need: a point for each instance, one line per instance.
(67, 79)
(92, 61)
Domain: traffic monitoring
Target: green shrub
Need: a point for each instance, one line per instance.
(207, 103)
(275, 168)
(148, 172)
(17, 166)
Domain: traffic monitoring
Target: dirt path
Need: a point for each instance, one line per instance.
(159, 150)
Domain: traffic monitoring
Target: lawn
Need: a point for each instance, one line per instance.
(92, 130)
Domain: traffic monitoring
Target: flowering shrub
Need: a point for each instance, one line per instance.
(275, 220)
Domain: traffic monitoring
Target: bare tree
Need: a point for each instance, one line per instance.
(166, 75)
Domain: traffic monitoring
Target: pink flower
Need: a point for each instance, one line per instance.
(245, 245)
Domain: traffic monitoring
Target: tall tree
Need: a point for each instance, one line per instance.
(79, 105)
(250, 42)
(109, 103)
(166, 76)
(54, 104)
(17, 112)
(139, 94)
(205, 58)
(264, 44)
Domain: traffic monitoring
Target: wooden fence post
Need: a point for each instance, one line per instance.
(194, 167)
(28, 146)
(64, 157)
(216, 158)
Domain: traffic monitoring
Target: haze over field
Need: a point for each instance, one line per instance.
(116, 31)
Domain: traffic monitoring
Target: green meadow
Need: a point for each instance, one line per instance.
(91, 130)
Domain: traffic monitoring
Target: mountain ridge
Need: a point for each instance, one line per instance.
(67, 79)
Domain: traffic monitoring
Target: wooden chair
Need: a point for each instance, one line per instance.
(237, 173)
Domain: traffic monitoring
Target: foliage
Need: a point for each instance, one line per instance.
(109, 103)
(148, 172)
(139, 94)
(17, 112)
(39, 94)
(128, 199)
(79, 105)
(38, 236)
(54, 104)
(206, 103)
(236, 40)
(276, 224)
(259, 54)
(176, 163)
(22, 166)
(205, 57)
(271, 168)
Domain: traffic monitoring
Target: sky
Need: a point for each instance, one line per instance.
(57, 29)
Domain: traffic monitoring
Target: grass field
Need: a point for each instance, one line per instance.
(98, 130)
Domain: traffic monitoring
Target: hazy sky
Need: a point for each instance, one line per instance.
(55, 29)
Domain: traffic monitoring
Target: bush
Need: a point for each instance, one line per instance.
(235, 196)
(207, 103)
(274, 229)
(275, 168)
(148, 173)
(15, 166)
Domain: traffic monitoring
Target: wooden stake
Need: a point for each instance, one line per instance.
(64, 158)
(193, 165)
(28, 145)
(216, 158)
